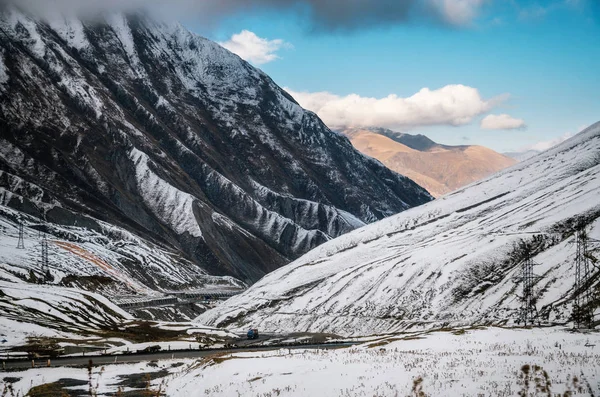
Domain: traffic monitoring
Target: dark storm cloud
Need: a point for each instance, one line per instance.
(350, 14)
(321, 15)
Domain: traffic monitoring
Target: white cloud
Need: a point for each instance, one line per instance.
(545, 145)
(450, 105)
(501, 122)
(254, 49)
(458, 12)
(534, 12)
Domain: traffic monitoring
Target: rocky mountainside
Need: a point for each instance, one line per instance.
(438, 168)
(156, 131)
(454, 261)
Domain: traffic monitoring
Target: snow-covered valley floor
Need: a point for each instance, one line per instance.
(473, 362)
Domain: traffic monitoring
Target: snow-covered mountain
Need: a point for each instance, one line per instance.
(453, 261)
(159, 132)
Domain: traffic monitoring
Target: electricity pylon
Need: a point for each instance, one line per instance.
(21, 242)
(44, 253)
(583, 311)
(528, 309)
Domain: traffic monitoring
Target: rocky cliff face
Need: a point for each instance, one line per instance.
(151, 128)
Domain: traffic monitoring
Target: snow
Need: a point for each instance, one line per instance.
(70, 30)
(120, 26)
(15, 185)
(110, 252)
(474, 363)
(189, 73)
(170, 204)
(32, 310)
(15, 18)
(470, 362)
(105, 380)
(79, 89)
(3, 71)
(17, 332)
(78, 317)
(306, 211)
(65, 257)
(446, 262)
(351, 220)
(264, 221)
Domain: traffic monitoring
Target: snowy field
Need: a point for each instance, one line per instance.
(478, 362)
(489, 362)
(108, 380)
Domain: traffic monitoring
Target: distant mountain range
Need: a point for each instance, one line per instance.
(438, 168)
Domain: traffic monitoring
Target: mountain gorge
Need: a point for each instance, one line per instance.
(456, 261)
(438, 168)
(130, 127)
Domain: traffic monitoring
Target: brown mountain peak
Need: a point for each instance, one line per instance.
(438, 168)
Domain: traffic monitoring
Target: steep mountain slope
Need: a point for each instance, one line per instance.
(109, 260)
(438, 168)
(452, 261)
(50, 311)
(41, 317)
(150, 128)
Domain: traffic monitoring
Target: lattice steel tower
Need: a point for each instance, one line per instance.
(21, 242)
(528, 309)
(44, 253)
(583, 312)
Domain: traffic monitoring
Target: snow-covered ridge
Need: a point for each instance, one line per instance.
(71, 30)
(171, 204)
(51, 311)
(446, 262)
(133, 264)
(303, 212)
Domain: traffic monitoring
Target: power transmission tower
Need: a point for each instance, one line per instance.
(21, 242)
(583, 311)
(48, 277)
(44, 245)
(528, 278)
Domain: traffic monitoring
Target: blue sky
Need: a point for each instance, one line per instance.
(535, 62)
